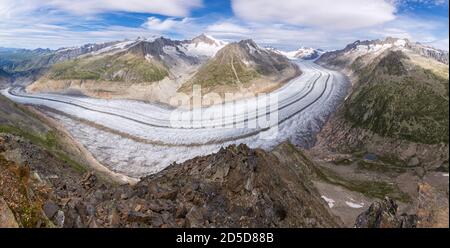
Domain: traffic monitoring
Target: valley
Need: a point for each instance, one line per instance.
(352, 137)
(298, 109)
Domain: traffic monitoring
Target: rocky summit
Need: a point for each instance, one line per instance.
(236, 187)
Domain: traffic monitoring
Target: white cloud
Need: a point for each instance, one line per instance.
(227, 27)
(34, 36)
(423, 2)
(328, 14)
(58, 23)
(30, 24)
(154, 23)
(9, 8)
(287, 36)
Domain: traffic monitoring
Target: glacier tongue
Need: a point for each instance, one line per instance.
(138, 139)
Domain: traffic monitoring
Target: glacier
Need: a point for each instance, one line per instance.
(137, 139)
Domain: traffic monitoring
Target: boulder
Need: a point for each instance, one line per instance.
(7, 219)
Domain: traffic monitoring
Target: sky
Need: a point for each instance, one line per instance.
(283, 24)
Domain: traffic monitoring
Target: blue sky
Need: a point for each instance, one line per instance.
(287, 24)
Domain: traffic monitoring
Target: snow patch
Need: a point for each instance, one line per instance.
(114, 48)
(202, 49)
(216, 41)
(329, 201)
(66, 49)
(354, 205)
(148, 57)
(373, 48)
(252, 48)
(400, 43)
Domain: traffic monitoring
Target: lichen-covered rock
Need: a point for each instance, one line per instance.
(433, 209)
(7, 219)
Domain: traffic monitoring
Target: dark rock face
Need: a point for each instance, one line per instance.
(50, 209)
(267, 62)
(158, 50)
(5, 78)
(312, 56)
(201, 38)
(392, 64)
(383, 214)
(237, 187)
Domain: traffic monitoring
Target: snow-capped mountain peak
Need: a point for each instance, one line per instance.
(306, 53)
(203, 45)
(376, 47)
(204, 38)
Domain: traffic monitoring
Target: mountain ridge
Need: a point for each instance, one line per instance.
(399, 100)
(155, 65)
(242, 64)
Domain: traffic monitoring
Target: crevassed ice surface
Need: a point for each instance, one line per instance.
(154, 140)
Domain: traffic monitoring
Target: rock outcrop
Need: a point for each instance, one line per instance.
(236, 187)
(383, 214)
(7, 218)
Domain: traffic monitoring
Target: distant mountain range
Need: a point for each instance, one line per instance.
(305, 53)
(174, 64)
(374, 48)
(19, 60)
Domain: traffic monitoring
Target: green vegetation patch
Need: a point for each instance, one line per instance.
(227, 68)
(394, 102)
(216, 73)
(24, 203)
(372, 189)
(120, 68)
(49, 142)
(380, 167)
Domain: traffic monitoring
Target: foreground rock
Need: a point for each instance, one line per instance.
(237, 187)
(431, 211)
(7, 219)
(432, 207)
